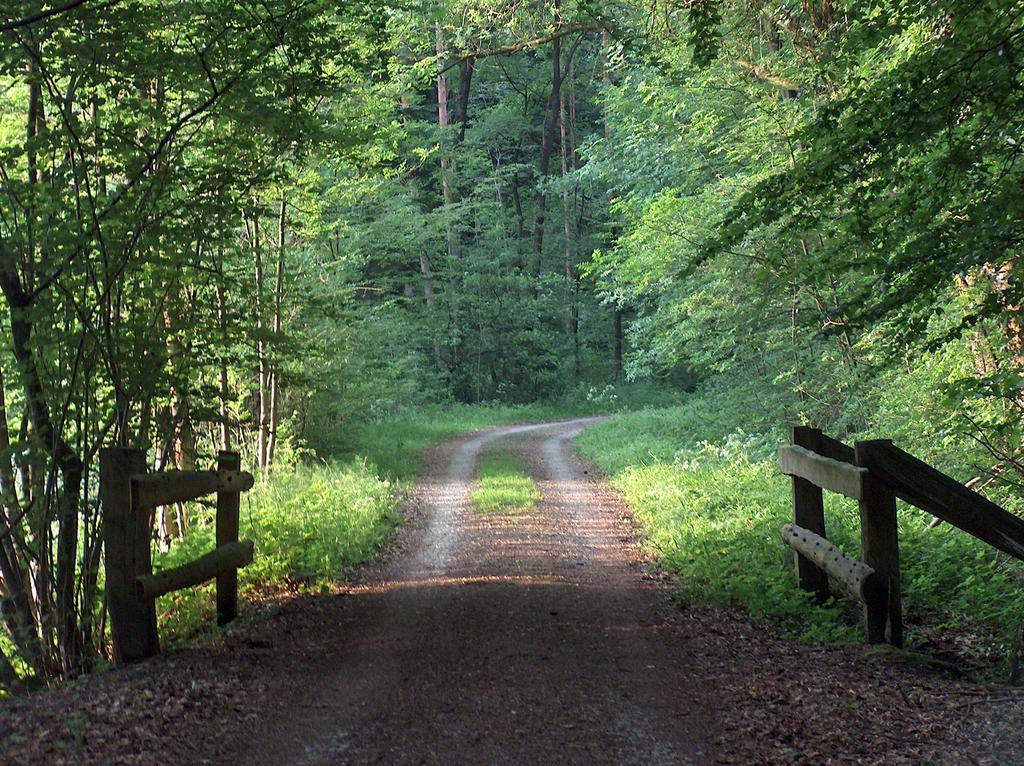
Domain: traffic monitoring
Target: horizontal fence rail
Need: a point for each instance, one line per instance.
(855, 578)
(229, 556)
(825, 472)
(919, 484)
(875, 473)
(152, 489)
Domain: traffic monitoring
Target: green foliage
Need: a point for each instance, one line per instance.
(905, 174)
(710, 501)
(815, 225)
(309, 523)
(503, 485)
(705, 37)
(148, 150)
(253, 223)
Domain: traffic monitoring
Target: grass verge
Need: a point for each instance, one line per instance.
(309, 523)
(503, 485)
(710, 501)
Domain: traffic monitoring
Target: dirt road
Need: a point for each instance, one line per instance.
(541, 638)
(545, 639)
(496, 639)
(508, 640)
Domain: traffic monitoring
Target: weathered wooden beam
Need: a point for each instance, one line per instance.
(856, 579)
(822, 471)
(126, 536)
(835, 449)
(221, 559)
(227, 532)
(809, 513)
(880, 547)
(942, 496)
(167, 487)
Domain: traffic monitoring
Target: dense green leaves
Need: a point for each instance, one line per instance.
(258, 224)
(144, 146)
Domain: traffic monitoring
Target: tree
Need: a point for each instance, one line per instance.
(130, 133)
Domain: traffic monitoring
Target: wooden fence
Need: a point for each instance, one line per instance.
(129, 495)
(875, 473)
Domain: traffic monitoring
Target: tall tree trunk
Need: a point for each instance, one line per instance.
(617, 324)
(572, 320)
(546, 147)
(65, 461)
(425, 267)
(17, 290)
(161, 457)
(518, 202)
(520, 226)
(444, 122)
(606, 77)
(223, 393)
(8, 675)
(795, 346)
(428, 279)
(262, 371)
(183, 443)
(275, 381)
(171, 520)
(16, 602)
(466, 69)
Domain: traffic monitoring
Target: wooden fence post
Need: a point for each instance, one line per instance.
(228, 503)
(809, 513)
(126, 539)
(879, 536)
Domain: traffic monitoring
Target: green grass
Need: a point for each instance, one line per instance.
(503, 485)
(392, 445)
(711, 501)
(309, 523)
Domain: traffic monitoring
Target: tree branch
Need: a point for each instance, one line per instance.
(761, 73)
(533, 42)
(35, 18)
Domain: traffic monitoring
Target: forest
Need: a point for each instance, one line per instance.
(327, 234)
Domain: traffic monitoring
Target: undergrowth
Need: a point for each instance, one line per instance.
(308, 522)
(711, 501)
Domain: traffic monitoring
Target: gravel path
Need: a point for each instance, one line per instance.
(542, 638)
(531, 638)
